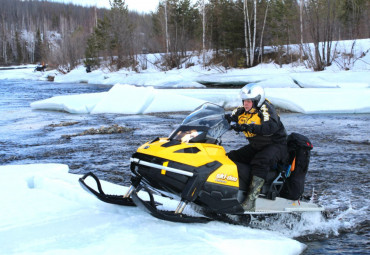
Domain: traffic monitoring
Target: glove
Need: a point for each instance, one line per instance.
(242, 127)
(235, 127)
(228, 117)
(246, 128)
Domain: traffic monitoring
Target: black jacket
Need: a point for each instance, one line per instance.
(265, 122)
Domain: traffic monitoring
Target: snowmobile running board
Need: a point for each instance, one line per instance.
(111, 199)
(282, 205)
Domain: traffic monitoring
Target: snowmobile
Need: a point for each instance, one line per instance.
(192, 167)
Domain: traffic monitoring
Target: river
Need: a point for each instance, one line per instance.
(338, 175)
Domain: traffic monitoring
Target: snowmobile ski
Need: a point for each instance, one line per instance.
(173, 216)
(111, 199)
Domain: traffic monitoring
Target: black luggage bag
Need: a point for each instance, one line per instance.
(299, 149)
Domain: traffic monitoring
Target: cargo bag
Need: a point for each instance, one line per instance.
(299, 149)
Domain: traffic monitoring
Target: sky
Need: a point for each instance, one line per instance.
(137, 5)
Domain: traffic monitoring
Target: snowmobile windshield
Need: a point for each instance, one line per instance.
(206, 124)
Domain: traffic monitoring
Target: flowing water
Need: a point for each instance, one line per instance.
(338, 176)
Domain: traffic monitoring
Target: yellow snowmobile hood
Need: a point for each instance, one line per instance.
(196, 155)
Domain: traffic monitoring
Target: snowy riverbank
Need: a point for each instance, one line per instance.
(294, 88)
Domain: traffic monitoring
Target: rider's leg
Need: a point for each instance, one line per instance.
(261, 164)
(244, 155)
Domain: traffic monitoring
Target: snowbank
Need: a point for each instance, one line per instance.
(126, 99)
(83, 103)
(45, 211)
(137, 100)
(311, 100)
(268, 75)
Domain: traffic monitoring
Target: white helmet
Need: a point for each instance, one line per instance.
(253, 92)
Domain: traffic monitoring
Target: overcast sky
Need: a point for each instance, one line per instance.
(137, 5)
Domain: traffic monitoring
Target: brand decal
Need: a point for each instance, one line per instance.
(265, 113)
(223, 178)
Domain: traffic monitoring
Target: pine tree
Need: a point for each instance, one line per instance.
(350, 13)
(38, 47)
(92, 51)
(19, 49)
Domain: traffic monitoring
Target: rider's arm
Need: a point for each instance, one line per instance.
(235, 114)
(269, 121)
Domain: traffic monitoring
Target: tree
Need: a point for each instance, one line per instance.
(350, 14)
(260, 52)
(301, 4)
(203, 11)
(92, 51)
(321, 16)
(166, 27)
(19, 48)
(252, 11)
(176, 22)
(34, 20)
(250, 39)
(112, 37)
(38, 47)
(225, 28)
(4, 42)
(284, 13)
(121, 34)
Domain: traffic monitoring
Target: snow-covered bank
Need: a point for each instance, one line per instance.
(45, 211)
(126, 99)
(312, 100)
(267, 75)
(353, 55)
(331, 91)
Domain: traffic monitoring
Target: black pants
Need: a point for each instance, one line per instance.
(260, 159)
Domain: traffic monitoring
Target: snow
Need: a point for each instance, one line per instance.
(82, 103)
(292, 87)
(126, 99)
(45, 211)
(133, 100)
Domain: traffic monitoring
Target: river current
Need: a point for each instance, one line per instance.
(338, 176)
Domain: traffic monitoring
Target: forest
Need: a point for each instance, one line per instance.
(236, 32)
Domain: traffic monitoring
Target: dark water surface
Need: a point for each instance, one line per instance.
(338, 176)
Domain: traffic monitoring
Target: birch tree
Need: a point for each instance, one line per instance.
(260, 52)
(166, 27)
(203, 11)
(250, 39)
(301, 4)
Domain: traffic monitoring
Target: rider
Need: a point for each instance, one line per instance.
(261, 125)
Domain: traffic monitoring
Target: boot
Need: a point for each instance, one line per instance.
(254, 190)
